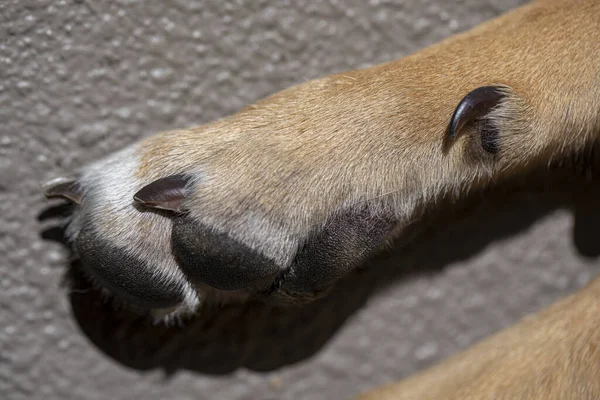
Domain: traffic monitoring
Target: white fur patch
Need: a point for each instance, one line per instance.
(109, 186)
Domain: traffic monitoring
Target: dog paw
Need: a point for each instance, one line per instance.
(266, 204)
(285, 197)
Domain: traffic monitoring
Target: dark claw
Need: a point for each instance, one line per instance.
(163, 194)
(475, 105)
(64, 188)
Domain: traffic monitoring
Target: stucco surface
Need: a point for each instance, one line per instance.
(82, 78)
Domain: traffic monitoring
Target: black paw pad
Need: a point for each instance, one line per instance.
(216, 259)
(126, 276)
(345, 243)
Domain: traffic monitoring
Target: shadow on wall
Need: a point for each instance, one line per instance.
(263, 337)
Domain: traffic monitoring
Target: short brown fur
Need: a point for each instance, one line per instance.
(377, 133)
(552, 355)
(369, 133)
(376, 136)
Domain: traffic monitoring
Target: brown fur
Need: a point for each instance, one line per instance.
(376, 136)
(553, 63)
(552, 355)
(377, 133)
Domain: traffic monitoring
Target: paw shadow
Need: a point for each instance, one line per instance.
(264, 337)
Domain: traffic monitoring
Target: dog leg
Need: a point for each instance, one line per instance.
(281, 199)
(553, 355)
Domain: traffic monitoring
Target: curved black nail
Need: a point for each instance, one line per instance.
(164, 194)
(64, 188)
(475, 105)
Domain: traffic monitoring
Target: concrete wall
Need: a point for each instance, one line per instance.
(81, 78)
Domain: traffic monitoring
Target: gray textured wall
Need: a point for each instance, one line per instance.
(81, 78)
